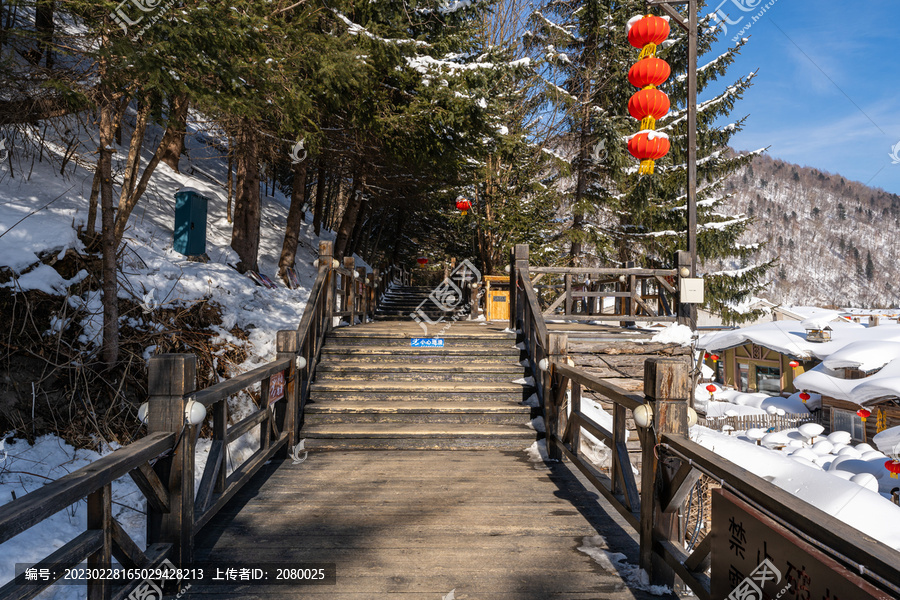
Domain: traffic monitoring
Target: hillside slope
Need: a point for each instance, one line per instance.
(837, 241)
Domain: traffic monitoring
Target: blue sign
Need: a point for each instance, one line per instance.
(427, 342)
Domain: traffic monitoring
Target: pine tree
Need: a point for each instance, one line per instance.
(644, 218)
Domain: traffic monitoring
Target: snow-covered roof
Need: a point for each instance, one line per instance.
(865, 355)
(789, 337)
(883, 384)
(821, 321)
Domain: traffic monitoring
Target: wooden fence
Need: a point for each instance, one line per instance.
(162, 463)
(745, 422)
(671, 464)
(636, 294)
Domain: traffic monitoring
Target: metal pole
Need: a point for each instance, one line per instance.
(690, 26)
(692, 135)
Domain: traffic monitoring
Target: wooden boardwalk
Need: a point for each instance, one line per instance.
(418, 524)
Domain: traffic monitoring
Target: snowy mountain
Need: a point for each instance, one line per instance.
(837, 242)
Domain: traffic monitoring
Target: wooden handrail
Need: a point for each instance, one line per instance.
(808, 519)
(604, 271)
(32, 508)
(224, 389)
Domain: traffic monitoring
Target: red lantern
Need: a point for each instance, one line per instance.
(648, 106)
(648, 31)
(711, 388)
(804, 396)
(715, 357)
(422, 261)
(707, 355)
(794, 364)
(649, 71)
(648, 146)
(463, 205)
(894, 467)
(864, 414)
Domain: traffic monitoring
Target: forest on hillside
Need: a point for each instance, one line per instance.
(836, 241)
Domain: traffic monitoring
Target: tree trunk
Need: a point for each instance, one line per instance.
(356, 236)
(131, 193)
(230, 179)
(92, 203)
(348, 220)
(43, 23)
(320, 195)
(294, 220)
(173, 140)
(245, 231)
(110, 348)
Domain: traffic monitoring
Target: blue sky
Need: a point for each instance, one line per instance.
(827, 94)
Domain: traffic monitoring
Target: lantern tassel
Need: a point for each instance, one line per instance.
(648, 51)
(464, 213)
(648, 123)
(647, 167)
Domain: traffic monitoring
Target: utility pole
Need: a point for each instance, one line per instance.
(690, 26)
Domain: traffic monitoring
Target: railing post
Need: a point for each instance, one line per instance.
(519, 264)
(99, 516)
(349, 285)
(363, 306)
(557, 350)
(171, 378)
(687, 313)
(376, 288)
(288, 345)
(667, 387)
(326, 256)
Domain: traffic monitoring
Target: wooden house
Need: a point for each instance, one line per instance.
(753, 367)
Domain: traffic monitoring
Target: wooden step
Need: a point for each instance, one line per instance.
(396, 371)
(435, 387)
(401, 342)
(417, 436)
(418, 396)
(404, 351)
(418, 412)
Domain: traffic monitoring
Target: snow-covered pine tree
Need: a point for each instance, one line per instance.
(626, 216)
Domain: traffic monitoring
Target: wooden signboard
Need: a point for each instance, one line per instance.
(755, 558)
(276, 387)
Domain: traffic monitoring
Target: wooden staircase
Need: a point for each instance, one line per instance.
(399, 302)
(373, 390)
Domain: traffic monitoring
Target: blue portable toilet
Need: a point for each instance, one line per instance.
(190, 222)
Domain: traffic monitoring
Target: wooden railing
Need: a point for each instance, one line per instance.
(104, 538)
(744, 422)
(671, 464)
(162, 463)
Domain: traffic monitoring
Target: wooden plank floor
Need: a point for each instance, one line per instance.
(418, 524)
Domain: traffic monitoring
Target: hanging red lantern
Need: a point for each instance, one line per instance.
(648, 146)
(711, 388)
(794, 364)
(422, 261)
(648, 106)
(647, 32)
(707, 355)
(864, 414)
(649, 72)
(804, 396)
(463, 205)
(893, 467)
(715, 357)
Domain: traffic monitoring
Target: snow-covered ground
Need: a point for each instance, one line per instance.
(847, 482)
(40, 213)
